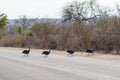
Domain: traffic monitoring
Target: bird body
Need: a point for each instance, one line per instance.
(26, 52)
(70, 52)
(90, 51)
(46, 53)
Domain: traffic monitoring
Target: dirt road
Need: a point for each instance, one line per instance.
(13, 66)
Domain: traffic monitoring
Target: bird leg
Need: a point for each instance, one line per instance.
(71, 55)
(24, 55)
(90, 54)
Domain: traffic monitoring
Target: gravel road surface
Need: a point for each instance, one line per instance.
(14, 66)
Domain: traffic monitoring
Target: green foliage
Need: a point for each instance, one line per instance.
(30, 34)
(19, 29)
(3, 21)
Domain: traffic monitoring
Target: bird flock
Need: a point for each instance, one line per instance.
(69, 51)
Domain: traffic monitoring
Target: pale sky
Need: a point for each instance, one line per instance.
(40, 8)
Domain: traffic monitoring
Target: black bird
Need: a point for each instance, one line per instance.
(26, 52)
(90, 51)
(46, 53)
(70, 52)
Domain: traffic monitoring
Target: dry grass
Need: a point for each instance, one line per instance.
(97, 55)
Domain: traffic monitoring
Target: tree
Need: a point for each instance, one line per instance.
(19, 29)
(26, 22)
(81, 11)
(42, 31)
(3, 23)
(118, 9)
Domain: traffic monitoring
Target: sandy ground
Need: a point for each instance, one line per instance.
(57, 66)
